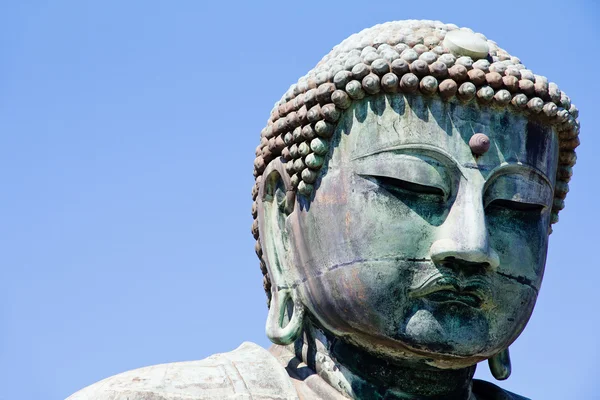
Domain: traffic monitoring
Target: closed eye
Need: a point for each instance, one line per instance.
(396, 185)
(517, 205)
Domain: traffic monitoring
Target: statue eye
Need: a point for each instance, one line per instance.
(517, 205)
(522, 192)
(395, 185)
(407, 175)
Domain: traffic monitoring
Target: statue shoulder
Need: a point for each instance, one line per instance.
(246, 372)
(484, 390)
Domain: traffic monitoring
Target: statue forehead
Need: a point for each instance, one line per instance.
(385, 122)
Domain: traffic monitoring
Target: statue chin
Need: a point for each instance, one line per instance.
(444, 335)
(449, 330)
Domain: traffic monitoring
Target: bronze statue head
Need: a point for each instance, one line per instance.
(405, 191)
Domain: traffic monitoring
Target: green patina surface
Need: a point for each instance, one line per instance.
(412, 249)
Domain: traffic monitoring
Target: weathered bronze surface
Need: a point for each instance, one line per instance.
(405, 191)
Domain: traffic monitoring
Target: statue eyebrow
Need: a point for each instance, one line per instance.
(433, 151)
(508, 168)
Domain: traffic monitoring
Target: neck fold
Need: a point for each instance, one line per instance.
(358, 374)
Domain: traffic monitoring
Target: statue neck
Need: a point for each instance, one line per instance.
(360, 375)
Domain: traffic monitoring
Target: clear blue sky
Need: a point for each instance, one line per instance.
(127, 136)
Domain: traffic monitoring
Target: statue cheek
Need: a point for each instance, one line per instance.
(512, 308)
(364, 297)
(529, 258)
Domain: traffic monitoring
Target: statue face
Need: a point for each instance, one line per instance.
(414, 247)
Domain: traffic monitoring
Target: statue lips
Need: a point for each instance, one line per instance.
(472, 291)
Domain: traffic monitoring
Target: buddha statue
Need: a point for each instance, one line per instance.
(405, 191)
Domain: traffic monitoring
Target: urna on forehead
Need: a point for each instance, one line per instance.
(412, 58)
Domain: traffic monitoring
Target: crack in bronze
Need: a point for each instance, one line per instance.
(521, 279)
(336, 266)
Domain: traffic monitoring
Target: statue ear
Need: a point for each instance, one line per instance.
(276, 201)
(500, 365)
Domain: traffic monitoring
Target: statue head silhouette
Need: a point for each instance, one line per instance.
(405, 191)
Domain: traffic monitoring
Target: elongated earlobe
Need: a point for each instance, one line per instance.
(275, 202)
(500, 365)
(275, 330)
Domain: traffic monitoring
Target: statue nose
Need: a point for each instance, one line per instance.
(460, 255)
(463, 238)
